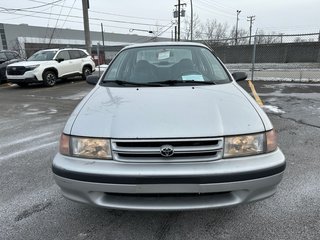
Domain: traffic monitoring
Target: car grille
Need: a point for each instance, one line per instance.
(16, 70)
(184, 150)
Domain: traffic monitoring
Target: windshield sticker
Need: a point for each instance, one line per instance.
(195, 77)
(163, 55)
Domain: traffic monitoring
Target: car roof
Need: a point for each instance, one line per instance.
(158, 44)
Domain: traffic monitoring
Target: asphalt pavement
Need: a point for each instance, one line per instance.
(32, 207)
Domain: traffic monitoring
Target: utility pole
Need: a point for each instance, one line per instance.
(178, 13)
(250, 19)
(103, 49)
(179, 20)
(191, 27)
(85, 7)
(238, 12)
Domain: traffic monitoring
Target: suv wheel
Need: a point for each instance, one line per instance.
(49, 78)
(86, 71)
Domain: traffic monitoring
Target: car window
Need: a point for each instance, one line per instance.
(64, 55)
(82, 54)
(10, 55)
(16, 55)
(166, 63)
(115, 73)
(3, 56)
(213, 66)
(42, 56)
(74, 54)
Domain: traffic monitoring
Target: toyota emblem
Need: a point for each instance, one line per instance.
(166, 150)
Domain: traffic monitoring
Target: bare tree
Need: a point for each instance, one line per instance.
(242, 37)
(197, 27)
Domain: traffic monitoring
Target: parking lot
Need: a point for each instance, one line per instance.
(32, 207)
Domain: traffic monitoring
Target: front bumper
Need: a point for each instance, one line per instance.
(27, 77)
(174, 186)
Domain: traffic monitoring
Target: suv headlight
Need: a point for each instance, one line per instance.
(83, 147)
(246, 145)
(32, 67)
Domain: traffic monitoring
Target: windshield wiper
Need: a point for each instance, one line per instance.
(174, 82)
(122, 82)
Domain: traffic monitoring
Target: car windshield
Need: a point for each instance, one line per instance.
(2, 56)
(42, 56)
(166, 65)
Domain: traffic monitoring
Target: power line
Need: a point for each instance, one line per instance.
(93, 18)
(20, 9)
(71, 21)
(108, 13)
(70, 9)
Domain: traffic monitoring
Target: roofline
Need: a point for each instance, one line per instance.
(155, 44)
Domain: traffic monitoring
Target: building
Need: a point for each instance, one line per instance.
(27, 39)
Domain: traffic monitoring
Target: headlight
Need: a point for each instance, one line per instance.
(32, 67)
(85, 147)
(246, 145)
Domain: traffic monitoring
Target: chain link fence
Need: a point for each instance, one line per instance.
(272, 57)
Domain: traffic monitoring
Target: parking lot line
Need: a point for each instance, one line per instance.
(255, 94)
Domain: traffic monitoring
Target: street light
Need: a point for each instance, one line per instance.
(140, 30)
(238, 12)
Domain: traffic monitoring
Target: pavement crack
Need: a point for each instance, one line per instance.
(34, 209)
(298, 121)
(165, 227)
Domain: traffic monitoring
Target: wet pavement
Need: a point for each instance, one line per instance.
(31, 205)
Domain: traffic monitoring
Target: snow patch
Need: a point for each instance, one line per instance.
(272, 109)
(77, 96)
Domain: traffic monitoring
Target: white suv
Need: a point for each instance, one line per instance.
(47, 66)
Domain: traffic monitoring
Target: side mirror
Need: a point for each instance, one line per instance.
(239, 76)
(59, 60)
(2, 60)
(92, 79)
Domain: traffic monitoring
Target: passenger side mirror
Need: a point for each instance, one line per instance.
(92, 79)
(239, 76)
(59, 60)
(2, 60)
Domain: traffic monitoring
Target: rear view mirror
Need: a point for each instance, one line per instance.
(239, 76)
(92, 79)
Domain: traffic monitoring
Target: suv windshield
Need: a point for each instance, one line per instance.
(42, 56)
(166, 65)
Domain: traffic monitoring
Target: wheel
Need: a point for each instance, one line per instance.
(22, 84)
(86, 71)
(49, 78)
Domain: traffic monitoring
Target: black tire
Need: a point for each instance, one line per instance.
(86, 71)
(23, 85)
(49, 78)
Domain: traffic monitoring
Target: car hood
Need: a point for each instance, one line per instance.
(27, 63)
(165, 112)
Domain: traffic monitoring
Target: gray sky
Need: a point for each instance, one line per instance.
(281, 16)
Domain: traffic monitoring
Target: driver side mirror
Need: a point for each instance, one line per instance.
(59, 60)
(239, 76)
(92, 79)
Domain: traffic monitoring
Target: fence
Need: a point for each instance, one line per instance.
(272, 57)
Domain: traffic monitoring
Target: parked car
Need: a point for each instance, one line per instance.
(7, 57)
(46, 66)
(167, 127)
(100, 69)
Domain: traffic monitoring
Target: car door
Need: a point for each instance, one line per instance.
(76, 60)
(64, 65)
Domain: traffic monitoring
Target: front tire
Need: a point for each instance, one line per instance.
(49, 78)
(86, 71)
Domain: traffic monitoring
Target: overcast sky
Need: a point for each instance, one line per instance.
(281, 16)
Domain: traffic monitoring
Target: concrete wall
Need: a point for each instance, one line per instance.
(270, 53)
